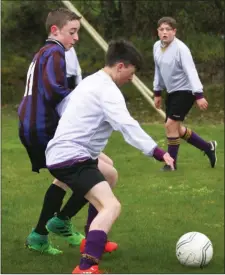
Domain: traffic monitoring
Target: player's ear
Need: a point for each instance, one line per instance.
(120, 66)
(54, 29)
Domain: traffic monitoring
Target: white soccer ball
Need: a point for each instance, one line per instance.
(194, 249)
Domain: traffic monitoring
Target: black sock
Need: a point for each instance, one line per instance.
(72, 207)
(52, 202)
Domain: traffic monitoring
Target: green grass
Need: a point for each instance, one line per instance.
(157, 208)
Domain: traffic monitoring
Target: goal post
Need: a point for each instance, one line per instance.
(143, 89)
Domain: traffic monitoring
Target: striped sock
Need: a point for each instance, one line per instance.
(173, 147)
(195, 140)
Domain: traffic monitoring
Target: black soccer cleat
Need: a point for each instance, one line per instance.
(211, 153)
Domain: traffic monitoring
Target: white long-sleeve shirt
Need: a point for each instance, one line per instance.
(89, 114)
(174, 68)
(72, 65)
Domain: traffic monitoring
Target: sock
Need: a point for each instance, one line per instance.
(92, 213)
(52, 203)
(173, 147)
(72, 207)
(195, 140)
(94, 249)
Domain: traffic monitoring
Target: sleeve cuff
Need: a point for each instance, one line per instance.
(198, 96)
(157, 93)
(158, 154)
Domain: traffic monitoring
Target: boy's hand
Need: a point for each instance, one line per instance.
(158, 101)
(169, 160)
(202, 104)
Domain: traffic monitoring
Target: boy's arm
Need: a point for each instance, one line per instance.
(158, 84)
(118, 116)
(191, 72)
(54, 78)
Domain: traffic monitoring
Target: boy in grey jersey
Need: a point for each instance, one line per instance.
(175, 71)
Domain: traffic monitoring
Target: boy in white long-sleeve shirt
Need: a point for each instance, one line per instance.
(105, 164)
(73, 69)
(175, 71)
(89, 115)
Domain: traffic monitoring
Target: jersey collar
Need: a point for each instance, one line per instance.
(51, 40)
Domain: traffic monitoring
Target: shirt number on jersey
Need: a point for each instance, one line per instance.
(30, 76)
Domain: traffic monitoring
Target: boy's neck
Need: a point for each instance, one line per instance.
(50, 39)
(109, 71)
(165, 45)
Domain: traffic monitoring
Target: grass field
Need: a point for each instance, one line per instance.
(157, 207)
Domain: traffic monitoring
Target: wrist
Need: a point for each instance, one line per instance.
(157, 93)
(158, 154)
(198, 96)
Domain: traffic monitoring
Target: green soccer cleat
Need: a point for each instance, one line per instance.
(40, 243)
(64, 228)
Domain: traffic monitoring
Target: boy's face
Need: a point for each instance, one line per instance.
(124, 73)
(68, 34)
(166, 33)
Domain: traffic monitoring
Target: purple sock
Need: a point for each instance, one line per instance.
(173, 147)
(92, 213)
(94, 249)
(195, 140)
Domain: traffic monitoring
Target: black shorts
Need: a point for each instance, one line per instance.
(178, 104)
(71, 82)
(37, 157)
(36, 153)
(80, 177)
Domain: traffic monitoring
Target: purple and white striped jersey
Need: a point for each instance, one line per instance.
(46, 87)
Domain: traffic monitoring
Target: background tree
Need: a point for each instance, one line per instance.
(200, 25)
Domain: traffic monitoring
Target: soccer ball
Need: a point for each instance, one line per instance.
(194, 249)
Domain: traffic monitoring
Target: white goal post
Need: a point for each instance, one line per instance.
(143, 89)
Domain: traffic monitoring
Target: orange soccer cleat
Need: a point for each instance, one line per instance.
(109, 246)
(92, 270)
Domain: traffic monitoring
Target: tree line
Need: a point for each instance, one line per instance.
(200, 25)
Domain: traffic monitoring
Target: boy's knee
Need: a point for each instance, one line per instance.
(171, 123)
(172, 126)
(115, 206)
(60, 184)
(110, 162)
(112, 177)
(182, 131)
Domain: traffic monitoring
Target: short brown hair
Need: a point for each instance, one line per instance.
(60, 17)
(169, 21)
(121, 50)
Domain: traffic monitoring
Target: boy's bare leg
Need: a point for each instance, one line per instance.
(103, 199)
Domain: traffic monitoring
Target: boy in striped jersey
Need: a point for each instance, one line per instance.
(45, 88)
(175, 71)
(47, 84)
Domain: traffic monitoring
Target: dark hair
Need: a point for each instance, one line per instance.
(60, 17)
(124, 51)
(169, 21)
